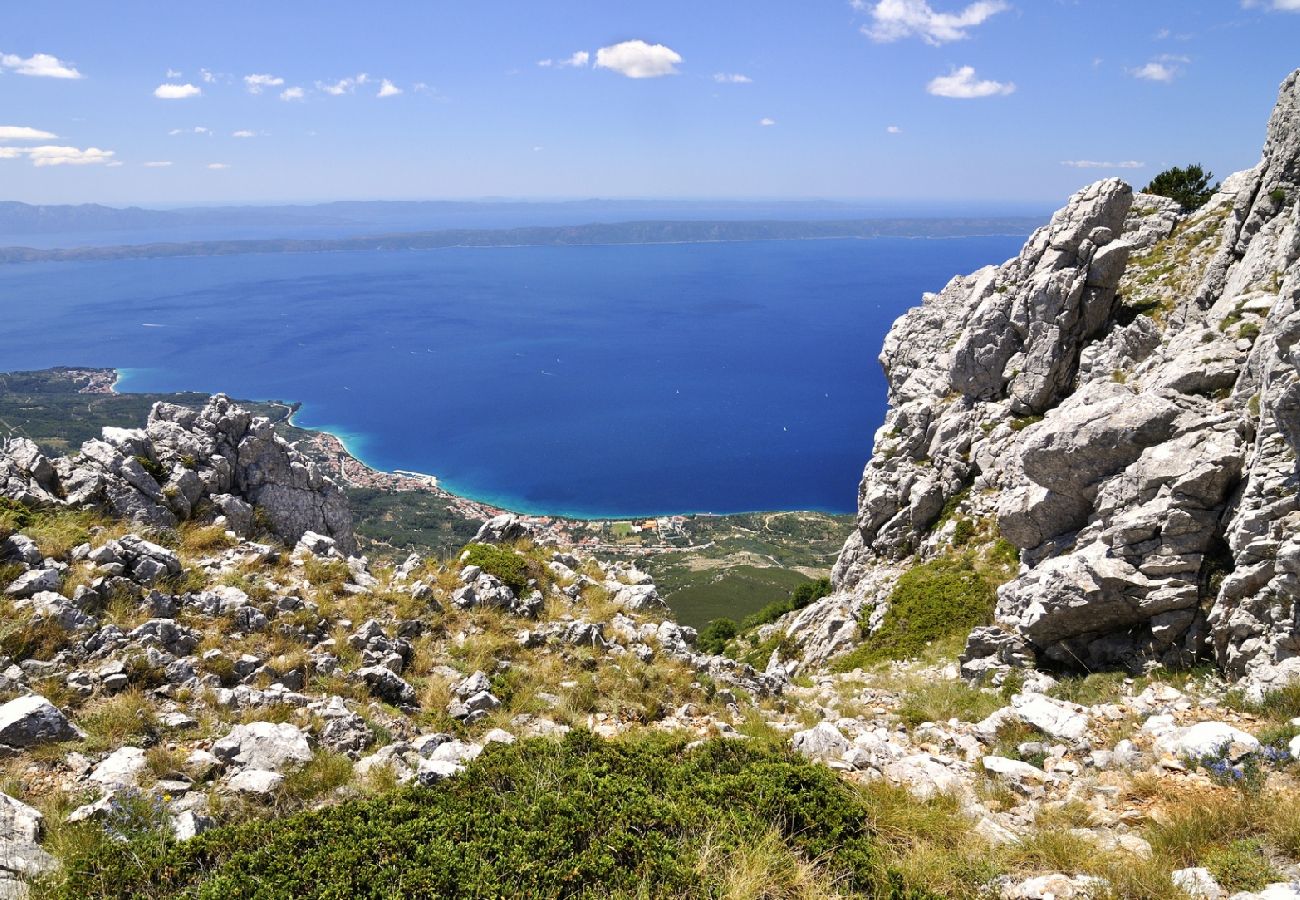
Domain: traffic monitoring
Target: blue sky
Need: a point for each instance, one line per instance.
(874, 99)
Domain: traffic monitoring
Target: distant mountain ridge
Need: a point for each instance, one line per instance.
(645, 232)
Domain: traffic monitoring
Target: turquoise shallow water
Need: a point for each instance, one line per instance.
(589, 381)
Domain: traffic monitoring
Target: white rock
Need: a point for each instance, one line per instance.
(1063, 721)
(121, 768)
(254, 781)
(1197, 883)
(822, 741)
(1204, 739)
(264, 745)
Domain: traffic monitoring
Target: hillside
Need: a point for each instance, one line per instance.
(1058, 657)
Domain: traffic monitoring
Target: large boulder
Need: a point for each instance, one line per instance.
(32, 721)
(267, 746)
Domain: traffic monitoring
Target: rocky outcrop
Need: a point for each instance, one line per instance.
(218, 461)
(1123, 400)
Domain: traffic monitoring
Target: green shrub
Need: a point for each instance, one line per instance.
(1278, 196)
(1020, 423)
(1241, 866)
(13, 517)
(514, 569)
(1189, 186)
(714, 636)
(577, 818)
(153, 467)
(942, 598)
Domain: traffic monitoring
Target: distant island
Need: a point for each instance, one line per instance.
(639, 232)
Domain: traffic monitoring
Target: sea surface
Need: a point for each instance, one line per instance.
(586, 381)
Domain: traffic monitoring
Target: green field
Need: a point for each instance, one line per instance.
(731, 593)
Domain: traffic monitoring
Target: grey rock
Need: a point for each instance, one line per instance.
(267, 746)
(32, 721)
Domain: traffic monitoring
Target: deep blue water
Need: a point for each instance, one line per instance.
(591, 381)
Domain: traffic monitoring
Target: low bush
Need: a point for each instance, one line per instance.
(514, 569)
(941, 599)
(577, 818)
(714, 636)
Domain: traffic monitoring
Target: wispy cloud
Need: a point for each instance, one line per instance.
(173, 74)
(24, 133)
(893, 129)
(962, 84)
(732, 78)
(157, 164)
(579, 60)
(68, 156)
(1095, 164)
(1274, 5)
(388, 89)
(766, 122)
(218, 165)
(244, 133)
(258, 83)
(197, 129)
(176, 91)
(39, 65)
(293, 93)
(343, 85)
(637, 59)
(893, 20)
(1163, 68)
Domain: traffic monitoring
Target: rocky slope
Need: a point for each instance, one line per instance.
(186, 464)
(1121, 400)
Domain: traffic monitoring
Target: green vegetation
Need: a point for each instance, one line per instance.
(576, 818)
(732, 592)
(1189, 186)
(719, 634)
(514, 569)
(409, 521)
(933, 603)
(1020, 423)
(1278, 196)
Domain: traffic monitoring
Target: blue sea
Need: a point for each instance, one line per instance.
(586, 381)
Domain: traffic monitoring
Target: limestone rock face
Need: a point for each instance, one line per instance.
(1122, 401)
(182, 462)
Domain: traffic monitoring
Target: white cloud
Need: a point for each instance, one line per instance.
(244, 133)
(11, 152)
(115, 163)
(343, 85)
(68, 156)
(766, 122)
(388, 89)
(24, 133)
(1094, 164)
(961, 84)
(578, 60)
(893, 129)
(1275, 5)
(197, 129)
(40, 65)
(1163, 68)
(894, 20)
(637, 59)
(173, 73)
(218, 165)
(176, 91)
(732, 78)
(208, 77)
(293, 93)
(258, 83)
(158, 164)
